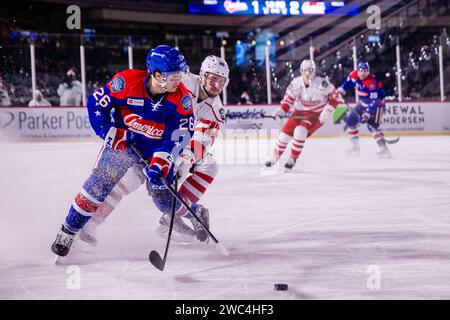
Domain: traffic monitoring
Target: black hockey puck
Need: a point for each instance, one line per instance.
(281, 286)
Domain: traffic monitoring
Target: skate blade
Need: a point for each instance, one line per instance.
(60, 261)
(264, 171)
(352, 154)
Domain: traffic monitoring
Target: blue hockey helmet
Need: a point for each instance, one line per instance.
(165, 59)
(363, 65)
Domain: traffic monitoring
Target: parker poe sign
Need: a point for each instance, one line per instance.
(45, 123)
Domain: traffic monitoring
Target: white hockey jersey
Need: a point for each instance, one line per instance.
(312, 98)
(209, 117)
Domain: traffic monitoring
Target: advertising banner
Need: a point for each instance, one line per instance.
(413, 118)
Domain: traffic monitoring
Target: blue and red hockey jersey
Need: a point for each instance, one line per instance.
(125, 102)
(370, 90)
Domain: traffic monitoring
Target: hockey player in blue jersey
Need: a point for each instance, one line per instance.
(146, 108)
(369, 109)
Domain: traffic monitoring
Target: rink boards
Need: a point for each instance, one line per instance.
(407, 118)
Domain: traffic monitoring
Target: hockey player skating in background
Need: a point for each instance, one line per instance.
(142, 107)
(369, 109)
(196, 167)
(313, 99)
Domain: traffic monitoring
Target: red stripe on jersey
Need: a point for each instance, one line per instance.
(196, 185)
(204, 176)
(115, 195)
(378, 115)
(214, 113)
(187, 194)
(197, 148)
(123, 188)
(85, 204)
(210, 125)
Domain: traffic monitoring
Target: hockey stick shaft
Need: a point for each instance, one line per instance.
(291, 117)
(172, 218)
(155, 257)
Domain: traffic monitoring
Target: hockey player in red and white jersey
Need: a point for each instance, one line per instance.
(314, 100)
(196, 167)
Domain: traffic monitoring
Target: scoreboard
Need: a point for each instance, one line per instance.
(275, 7)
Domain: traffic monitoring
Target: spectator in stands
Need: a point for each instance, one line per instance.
(40, 100)
(5, 101)
(70, 90)
(245, 98)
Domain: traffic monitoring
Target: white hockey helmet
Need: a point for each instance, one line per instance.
(215, 65)
(308, 64)
(308, 71)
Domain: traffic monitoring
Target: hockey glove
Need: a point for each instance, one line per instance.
(326, 113)
(159, 168)
(365, 116)
(183, 164)
(278, 113)
(117, 138)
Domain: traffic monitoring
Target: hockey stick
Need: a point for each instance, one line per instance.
(219, 246)
(155, 257)
(388, 141)
(369, 127)
(291, 117)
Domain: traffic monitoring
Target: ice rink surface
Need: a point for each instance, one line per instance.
(337, 227)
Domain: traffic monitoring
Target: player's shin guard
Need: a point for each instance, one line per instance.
(81, 211)
(281, 144)
(280, 147)
(354, 139)
(379, 138)
(298, 141)
(193, 189)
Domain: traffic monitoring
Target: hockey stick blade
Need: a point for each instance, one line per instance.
(156, 260)
(221, 248)
(392, 141)
(290, 117)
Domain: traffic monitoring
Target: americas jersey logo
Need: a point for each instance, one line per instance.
(150, 129)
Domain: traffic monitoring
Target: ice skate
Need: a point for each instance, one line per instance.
(181, 232)
(384, 153)
(63, 242)
(290, 163)
(203, 214)
(271, 162)
(353, 151)
(89, 233)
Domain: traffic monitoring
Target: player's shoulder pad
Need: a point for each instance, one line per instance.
(294, 84)
(182, 99)
(374, 77)
(125, 79)
(353, 75)
(218, 110)
(188, 79)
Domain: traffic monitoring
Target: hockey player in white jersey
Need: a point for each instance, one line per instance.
(196, 167)
(313, 99)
